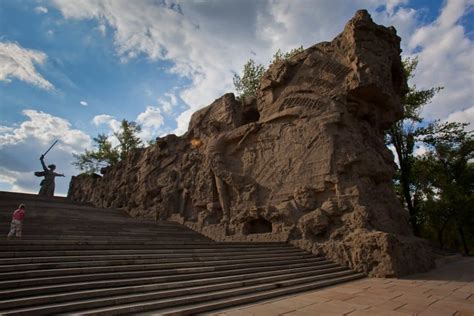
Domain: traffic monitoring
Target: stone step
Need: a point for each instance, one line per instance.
(113, 240)
(52, 245)
(82, 220)
(241, 273)
(227, 302)
(66, 213)
(95, 222)
(100, 230)
(134, 261)
(91, 225)
(21, 243)
(59, 233)
(37, 296)
(131, 252)
(78, 235)
(8, 198)
(15, 198)
(94, 226)
(64, 210)
(106, 235)
(97, 232)
(43, 218)
(36, 209)
(164, 274)
(75, 257)
(92, 231)
(170, 264)
(177, 296)
(48, 207)
(139, 256)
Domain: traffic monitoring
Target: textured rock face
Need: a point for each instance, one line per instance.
(304, 162)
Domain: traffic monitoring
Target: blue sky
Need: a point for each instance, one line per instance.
(82, 65)
(72, 69)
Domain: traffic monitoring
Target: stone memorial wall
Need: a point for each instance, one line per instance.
(304, 162)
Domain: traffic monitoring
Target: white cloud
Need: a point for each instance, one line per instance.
(84, 103)
(41, 10)
(45, 128)
(5, 129)
(464, 116)
(102, 29)
(151, 120)
(18, 62)
(112, 123)
(446, 58)
(392, 4)
(23, 182)
(21, 146)
(420, 149)
(209, 40)
(168, 102)
(109, 120)
(406, 20)
(394, 153)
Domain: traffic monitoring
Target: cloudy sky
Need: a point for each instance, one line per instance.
(72, 69)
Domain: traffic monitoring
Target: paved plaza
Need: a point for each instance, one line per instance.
(447, 290)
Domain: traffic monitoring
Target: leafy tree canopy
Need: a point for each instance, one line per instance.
(105, 154)
(247, 84)
(445, 174)
(128, 137)
(403, 136)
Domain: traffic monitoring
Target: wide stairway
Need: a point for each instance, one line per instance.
(78, 259)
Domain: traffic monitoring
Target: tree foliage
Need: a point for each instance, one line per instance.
(436, 187)
(404, 134)
(127, 137)
(247, 84)
(105, 154)
(280, 56)
(447, 181)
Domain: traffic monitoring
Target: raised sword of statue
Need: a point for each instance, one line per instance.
(50, 148)
(42, 173)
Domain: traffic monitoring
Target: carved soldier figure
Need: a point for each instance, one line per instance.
(215, 153)
(47, 184)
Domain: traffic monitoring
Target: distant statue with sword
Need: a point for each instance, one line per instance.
(47, 184)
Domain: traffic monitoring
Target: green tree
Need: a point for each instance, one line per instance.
(403, 135)
(92, 161)
(128, 137)
(450, 178)
(279, 55)
(247, 84)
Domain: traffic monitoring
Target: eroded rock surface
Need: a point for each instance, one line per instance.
(304, 162)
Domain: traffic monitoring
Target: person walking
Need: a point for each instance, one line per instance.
(17, 222)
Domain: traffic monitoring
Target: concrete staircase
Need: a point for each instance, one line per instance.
(78, 259)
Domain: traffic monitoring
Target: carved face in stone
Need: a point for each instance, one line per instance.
(305, 198)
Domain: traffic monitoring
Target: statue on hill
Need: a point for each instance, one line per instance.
(47, 184)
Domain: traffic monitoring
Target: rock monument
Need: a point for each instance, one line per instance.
(303, 162)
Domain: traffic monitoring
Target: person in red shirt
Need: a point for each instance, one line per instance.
(17, 222)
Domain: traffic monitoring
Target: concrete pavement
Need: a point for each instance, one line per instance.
(447, 290)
